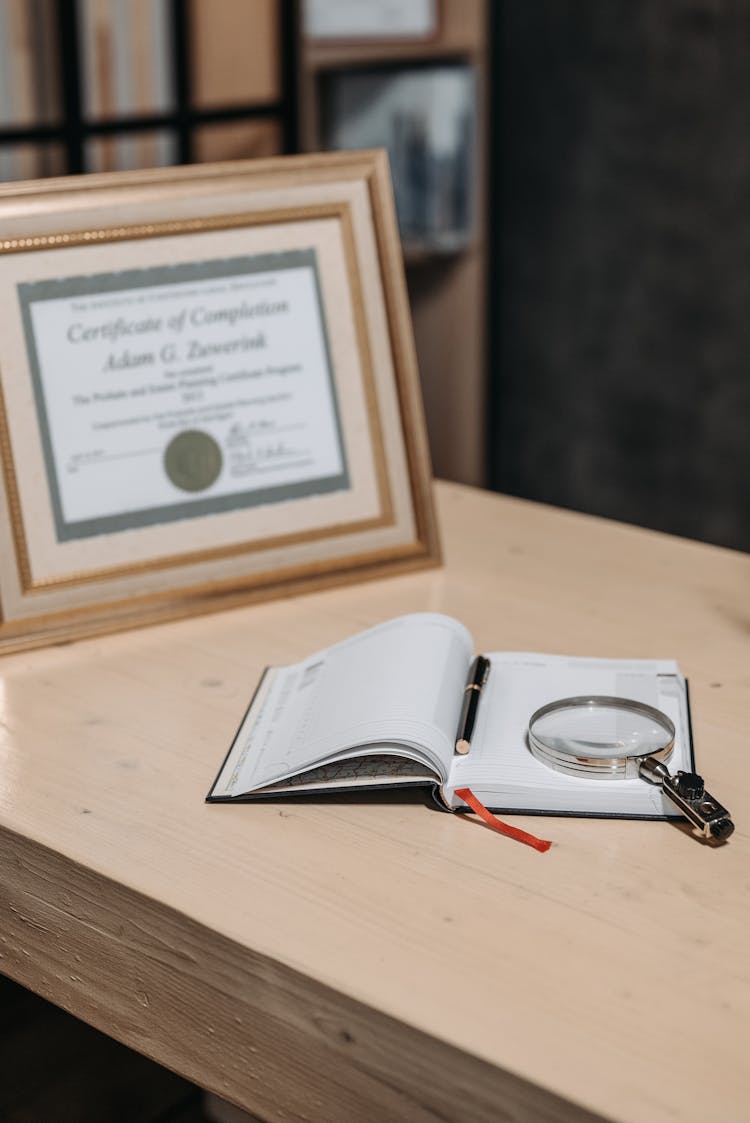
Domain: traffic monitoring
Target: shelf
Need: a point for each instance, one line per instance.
(321, 57)
(461, 36)
(446, 283)
(415, 253)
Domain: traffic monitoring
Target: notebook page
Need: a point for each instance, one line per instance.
(394, 688)
(500, 768)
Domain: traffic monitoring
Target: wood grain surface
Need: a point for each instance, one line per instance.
(374, 959)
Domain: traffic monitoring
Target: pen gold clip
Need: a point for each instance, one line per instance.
(478, 675)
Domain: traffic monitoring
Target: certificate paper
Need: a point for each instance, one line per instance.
(178, 391)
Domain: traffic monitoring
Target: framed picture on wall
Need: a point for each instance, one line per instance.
(361, 20)
(426, 119)
(208, 392)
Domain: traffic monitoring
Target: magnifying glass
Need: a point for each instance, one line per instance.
(597, 737)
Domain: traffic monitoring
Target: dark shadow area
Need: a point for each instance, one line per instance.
(56, 1069)
(619, 377)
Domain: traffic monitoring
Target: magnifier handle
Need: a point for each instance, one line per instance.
(687, 792)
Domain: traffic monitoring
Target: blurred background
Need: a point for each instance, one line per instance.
(569, 177)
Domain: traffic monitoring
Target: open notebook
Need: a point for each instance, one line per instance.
(381, 709)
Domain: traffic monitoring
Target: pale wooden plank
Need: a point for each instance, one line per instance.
(471, 975)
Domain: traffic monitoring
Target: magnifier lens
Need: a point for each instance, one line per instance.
(600, 730)
(606, 738)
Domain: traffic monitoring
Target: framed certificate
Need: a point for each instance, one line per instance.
(208, 392)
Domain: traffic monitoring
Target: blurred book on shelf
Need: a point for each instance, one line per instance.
(30, 161)
(129, 69)
(426, 118)
(29, 81)
(129, 151)
(126, 72)
(117, 85)
(29, 85)
(126, 54)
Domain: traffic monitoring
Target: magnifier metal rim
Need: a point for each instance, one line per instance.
(613, 767)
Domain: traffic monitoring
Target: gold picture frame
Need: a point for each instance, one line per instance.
(267, 298)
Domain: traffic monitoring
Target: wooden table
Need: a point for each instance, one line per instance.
(377, 960)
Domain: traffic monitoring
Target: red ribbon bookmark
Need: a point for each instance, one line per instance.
(467, 795)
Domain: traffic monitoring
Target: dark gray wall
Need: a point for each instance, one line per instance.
(621, 372)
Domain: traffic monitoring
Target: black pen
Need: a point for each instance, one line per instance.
(480, 670)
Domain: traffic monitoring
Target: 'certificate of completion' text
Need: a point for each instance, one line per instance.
(177, 391)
